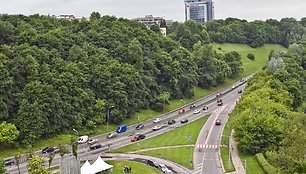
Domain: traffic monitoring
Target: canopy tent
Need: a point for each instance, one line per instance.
(98, 166)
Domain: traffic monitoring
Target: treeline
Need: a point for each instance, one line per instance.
(57, 75)
(232, 30)
(268, 120)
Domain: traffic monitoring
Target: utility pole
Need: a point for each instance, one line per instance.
(245, 167)
(108, 117)
(229, 151)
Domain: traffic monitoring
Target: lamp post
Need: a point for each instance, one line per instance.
(189, 139)
(108, 110)
(245, 166)
(76, 131)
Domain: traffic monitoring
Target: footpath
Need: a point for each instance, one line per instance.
(239, 169)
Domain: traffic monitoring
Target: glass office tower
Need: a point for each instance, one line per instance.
(199, 10)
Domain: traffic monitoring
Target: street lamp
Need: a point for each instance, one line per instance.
(76, 131)
(108, 110)
(189, 139)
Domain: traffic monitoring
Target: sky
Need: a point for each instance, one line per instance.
(169, 9)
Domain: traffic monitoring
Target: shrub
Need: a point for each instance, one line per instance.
(269, 169)
(251, 56)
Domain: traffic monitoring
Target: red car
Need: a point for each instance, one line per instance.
(218, 122)
(182, 110)
(138, 137)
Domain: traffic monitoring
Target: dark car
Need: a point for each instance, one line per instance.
(239, 91)
(219, 100)
(138, 137)
(95, 146)
(9, 162)
(220, 103)
(219, 95)
(140, 126)
(152, 163)
(184, 120)
(192, 106)
(205, 108)
(182, 110)
(48, 150)
(218, 122)
(171, 121)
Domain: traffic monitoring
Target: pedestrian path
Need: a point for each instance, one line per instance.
(207, 146)
(163, 147)
(239, 169)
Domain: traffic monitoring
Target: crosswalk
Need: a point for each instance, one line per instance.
(207, 146)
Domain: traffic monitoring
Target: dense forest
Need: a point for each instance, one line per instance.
(60, 74)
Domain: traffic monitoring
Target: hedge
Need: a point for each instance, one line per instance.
(268, 169)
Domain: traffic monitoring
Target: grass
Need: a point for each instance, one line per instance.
(180, 155)
(171, 138)
(251, 164)
(136, 167)
(249, 66)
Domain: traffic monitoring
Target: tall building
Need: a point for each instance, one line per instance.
(199, 10)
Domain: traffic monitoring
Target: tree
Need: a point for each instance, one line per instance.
(17, 160)
(251, 56)
(2, 167)
(275, 65)
(50, 158)
(8, 133)
(63, 150)
(36, 166)
(95, 15)
(74, 145)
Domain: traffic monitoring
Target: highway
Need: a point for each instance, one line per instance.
(123, 139)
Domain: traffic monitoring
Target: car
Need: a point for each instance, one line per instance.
(184, 120)
(171, 121)
(152, 163)
(95, 146)
(82, 139)
(157, 120)
(218, 122)
(48, 150)
(140, 126)
(9, 162)
(92, 141)
(205, 108)
(122, 128)
(112, 135)
(138, 137)
(191, 106)
(164, 168)
(233, 87)
(219, 100)
(182, 110)
(196, 112)
(240, 91)
(220, 103)
(242, 80)
(219, 95)
(157, 127)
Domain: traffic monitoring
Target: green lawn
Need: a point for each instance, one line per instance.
(137, 168)
(181, 155)
(248, 65)
(251, 164)
(171, 138)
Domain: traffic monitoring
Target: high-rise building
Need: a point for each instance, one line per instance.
(199, 10)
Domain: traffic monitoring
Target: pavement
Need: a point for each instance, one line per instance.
(239, 168)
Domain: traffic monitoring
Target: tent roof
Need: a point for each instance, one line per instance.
(86, 168)
(98, 166)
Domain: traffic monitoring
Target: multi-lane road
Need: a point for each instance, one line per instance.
(210, 133)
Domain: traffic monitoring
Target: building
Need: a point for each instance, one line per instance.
(150, 20)
(199, 10)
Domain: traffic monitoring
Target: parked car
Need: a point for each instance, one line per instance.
(182, 110)
(220, 103)
(184, 120)
(48, 150)
(196, 112)
(152, 163)
(112, 135)
(82, 139)
(218, 122)
(157, 120)
(240, 91)
(140, 126)
(95, 146)
(171, 121)
(164, 168)
(9, 162)
(191, 106)
(157, 127)
(122, 128)
(205, 108)
(138, 137)
(93, 141)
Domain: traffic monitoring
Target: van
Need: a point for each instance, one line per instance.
(82, 139)
(122, 128)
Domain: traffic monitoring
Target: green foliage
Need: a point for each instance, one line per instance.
(2, 167)
(8, 133)
(251, 56)
(265, 164)
(36, 166)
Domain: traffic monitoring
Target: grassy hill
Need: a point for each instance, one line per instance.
(261, 55)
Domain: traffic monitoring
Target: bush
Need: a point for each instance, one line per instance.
(251, 56)
(269, 169)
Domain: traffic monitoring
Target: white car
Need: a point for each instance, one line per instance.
(92, 141)
(157, 120)
(82, 139)
(196, 111)
(155, 128)
(164, 168)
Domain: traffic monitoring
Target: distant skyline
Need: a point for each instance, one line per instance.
(169, 9)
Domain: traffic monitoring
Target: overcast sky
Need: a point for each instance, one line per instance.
(169, 9)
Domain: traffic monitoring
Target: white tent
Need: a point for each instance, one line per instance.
(98, 166)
